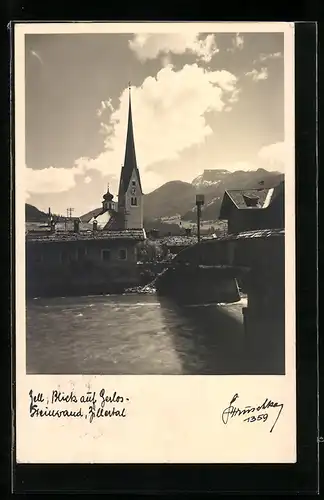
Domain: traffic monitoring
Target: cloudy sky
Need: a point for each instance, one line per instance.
(200, 101)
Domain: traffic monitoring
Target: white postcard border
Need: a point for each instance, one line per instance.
(170, 418)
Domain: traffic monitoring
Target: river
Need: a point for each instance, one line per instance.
(133, 334)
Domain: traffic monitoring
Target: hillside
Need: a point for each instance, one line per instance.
(178, 198)
(32, 214)
(175, 197)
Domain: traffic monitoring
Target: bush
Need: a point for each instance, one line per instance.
(148, 251)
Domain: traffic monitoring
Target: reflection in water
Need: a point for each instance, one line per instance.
(132, 334)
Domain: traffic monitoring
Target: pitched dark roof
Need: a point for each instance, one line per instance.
(247, 235)
(240, 196)
(128, 234)
(130, 163)
(116, 222)
(259, 233)
(93, 213)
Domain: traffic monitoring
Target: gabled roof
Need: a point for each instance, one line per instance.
(241, 198)
(129, 234)
(103, 218)
(130, 163)
(115, 223)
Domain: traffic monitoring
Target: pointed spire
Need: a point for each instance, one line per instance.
(130, 154)
(130, 163)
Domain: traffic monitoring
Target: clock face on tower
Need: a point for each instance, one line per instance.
(133, 190)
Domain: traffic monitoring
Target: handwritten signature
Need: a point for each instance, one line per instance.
(250, 411)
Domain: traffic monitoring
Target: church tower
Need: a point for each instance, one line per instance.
(130, 194)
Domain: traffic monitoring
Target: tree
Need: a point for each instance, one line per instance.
(148, 251)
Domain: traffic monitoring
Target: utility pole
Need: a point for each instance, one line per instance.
(69, 212)
(200, 200)
(68, 215)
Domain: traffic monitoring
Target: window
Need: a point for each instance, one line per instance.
(122, 254)
(105, 255)
(134, 201)
(133, 183)
(81, 253)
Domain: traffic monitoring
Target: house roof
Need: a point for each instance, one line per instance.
(103, 218)
(259, 233)
(174, 241)
(240, 198)
(131, 234)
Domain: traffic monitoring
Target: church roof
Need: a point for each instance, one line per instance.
(130, 163)
(103, 218)
(116, 222)
(108, 196)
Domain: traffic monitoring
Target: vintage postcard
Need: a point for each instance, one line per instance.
(155, 242)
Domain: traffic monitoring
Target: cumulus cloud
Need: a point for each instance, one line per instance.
(256, 75)
(105, 105)
(275, 156)
(237, 43)
(264, 57)
(169, 116)
(149, 46)
(51, 179)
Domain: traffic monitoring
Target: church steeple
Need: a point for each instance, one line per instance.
(130, 163)
(130, 155)
(130, 194)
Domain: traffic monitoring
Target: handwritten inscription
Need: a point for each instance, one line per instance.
(89, 405)
(252, 413)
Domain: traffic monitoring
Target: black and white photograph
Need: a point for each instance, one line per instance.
(154, 180)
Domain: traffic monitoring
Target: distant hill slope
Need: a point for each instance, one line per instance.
(177, 197)
(32, 214)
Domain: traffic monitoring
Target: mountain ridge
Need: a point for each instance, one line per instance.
(177, 198)
(33, 214)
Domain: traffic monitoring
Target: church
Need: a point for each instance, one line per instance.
(100, 257)
(128, 212)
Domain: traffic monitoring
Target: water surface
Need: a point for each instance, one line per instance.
(133, 334)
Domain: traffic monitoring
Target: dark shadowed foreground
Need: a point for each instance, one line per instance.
(141, 335)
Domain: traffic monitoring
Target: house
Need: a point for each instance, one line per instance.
(251, 209)
(81, 263)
